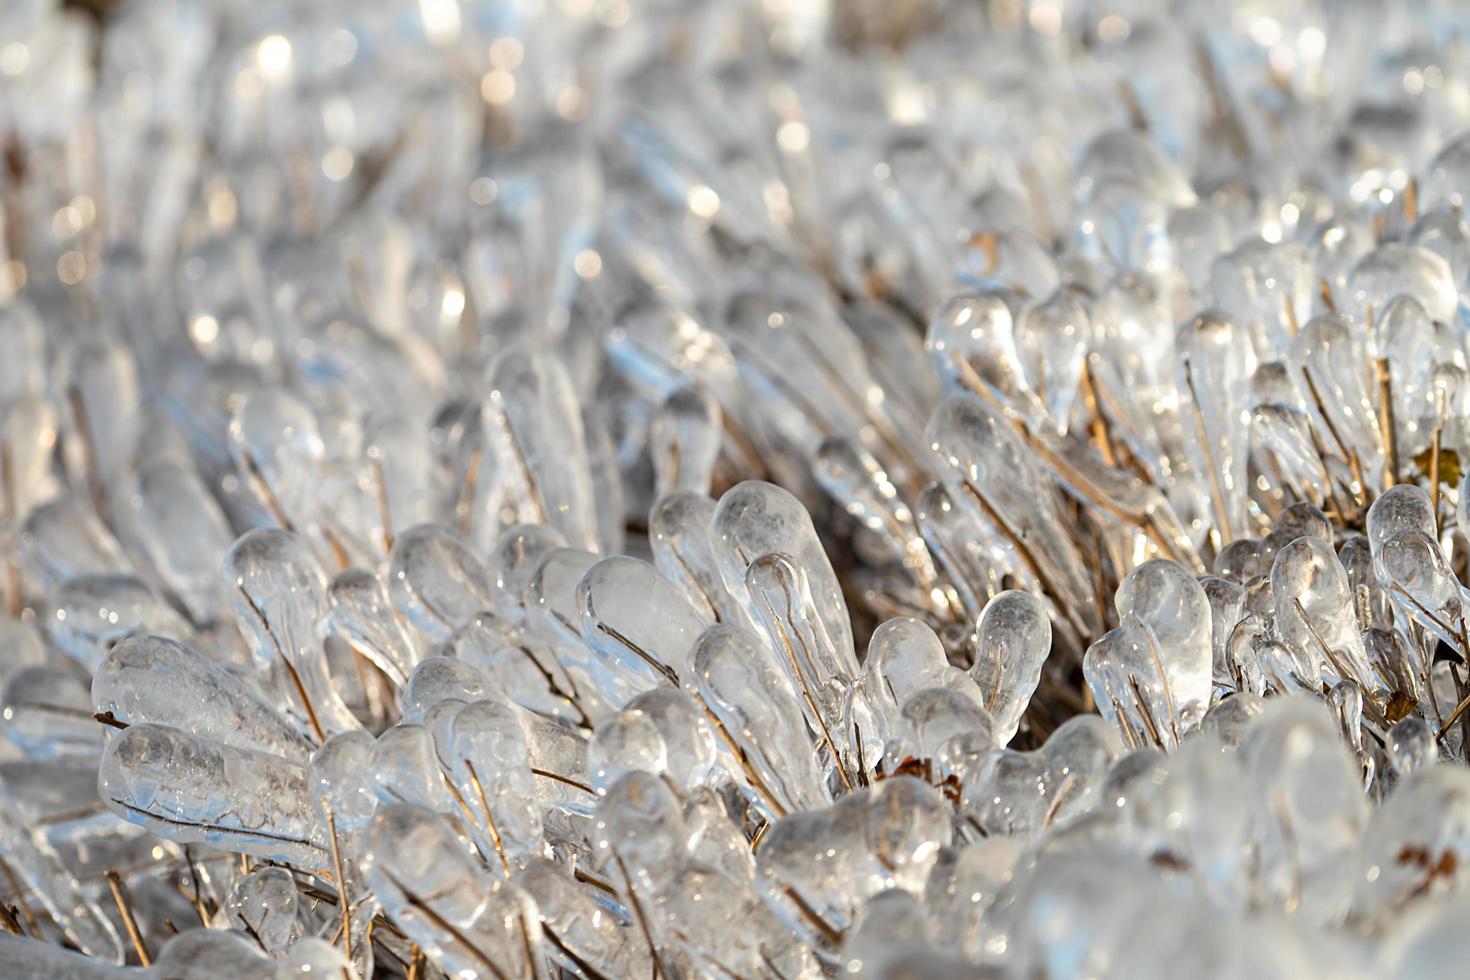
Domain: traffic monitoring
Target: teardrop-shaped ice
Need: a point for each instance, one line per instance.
(362, 615)
(636, 619)
(1052, 338)
(684, 440)
(641, 832)
(1393, 268)
(816, 666)
(467, 923)
(533, 422)
(279, 596)
(1130, 680)
(759, 710)
(64, 539)
(264, 903)
(1216, 361)
(87, 616)
(626, 742)
(1012, 641)
(406, 769)
(1314, 611)
(278, 449)
(1413, 567)
(679, 534)
(192, 789)
(214, 954)
(1311, 806)
(1332, 357)
(1399, 508)
(1163, 596)
(1226, 600)
(1299, 520)
(438, 679)
(1371, 600)
(971, 340)
(184, 532)
(551, 594)
(1284, 435)
(518, 551)
(686, 731)
(574, 921)
(491, 765)
(904, 656)
(755, 519)
(1411, 345)
(1411, 746)
(157, 680)
(989, 470)
(48, 713)
(436, 581)
(1078, 757)
(342, 779)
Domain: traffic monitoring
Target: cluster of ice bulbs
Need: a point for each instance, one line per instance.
(907, 489)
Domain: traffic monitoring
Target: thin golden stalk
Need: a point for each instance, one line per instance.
(756, 781)
(337, 867)
(463, 507)
(125, 910)
(1158, 659)
(296, 682)
(1351, 456)
(489, 817)
(637, 909)
(1289, 309)
(823, 927)
(385, 515)
(1144, 712)
(1024, 550)
(1386, 423)
(444, 925)
(1217, 492)
(1097, 422)
(810, 701)
(267, 496)
(567, 780)
(1434, 446)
